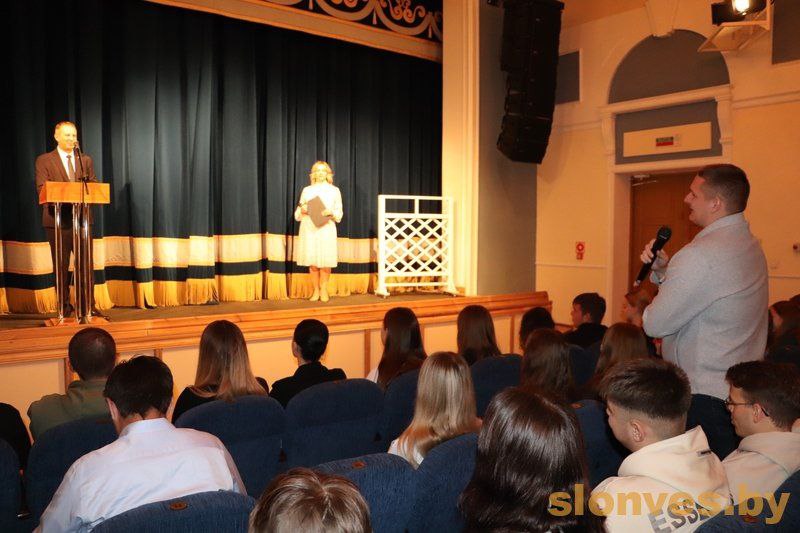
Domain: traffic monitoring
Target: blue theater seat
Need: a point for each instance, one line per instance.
(493, 374)
(603, 450)
(398, 407)
(251, 428)
(10, 484)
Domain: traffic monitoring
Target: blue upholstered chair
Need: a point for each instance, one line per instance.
(398, 407)
(440, 480)
(55, 451)
(220, 512)
(603, 450)
(332, 421)
(789, 521)
(251, 429)
(387, 484)
(711, 414)
(583, 362)
(10, 484)
(493, 374)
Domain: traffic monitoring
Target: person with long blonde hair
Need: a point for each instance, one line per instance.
(444, 407)
(316, 246)
(223, 369)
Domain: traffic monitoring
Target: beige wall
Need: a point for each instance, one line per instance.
(580, 197)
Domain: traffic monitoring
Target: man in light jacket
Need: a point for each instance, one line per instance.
(764, 401)
(676, 479)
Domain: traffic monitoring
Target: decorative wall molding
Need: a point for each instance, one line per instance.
(770, 99)
(661, 14)
(669, 100)
(570, 265)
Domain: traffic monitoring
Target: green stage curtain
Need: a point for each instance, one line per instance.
(206, 128)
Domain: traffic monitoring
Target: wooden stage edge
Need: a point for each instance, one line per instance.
(39, 344)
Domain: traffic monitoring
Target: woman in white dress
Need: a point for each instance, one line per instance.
(316, 247)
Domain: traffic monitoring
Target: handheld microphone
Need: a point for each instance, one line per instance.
(77, 147)
(663, 235)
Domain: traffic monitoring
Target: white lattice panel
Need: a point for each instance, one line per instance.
(414, 245)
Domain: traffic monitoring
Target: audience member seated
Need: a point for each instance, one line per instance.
(223, 369)
(304, 500)
(764, 402)
(92, 355)
(150, 461)
(533, 319)
(402, 346)
(587, 314)
(622, 342)
(12, 430)
(647, 402)
(308, 344)
(784, 330)
(529, 448)
(444, 407)
(475, 336)
(546, 365)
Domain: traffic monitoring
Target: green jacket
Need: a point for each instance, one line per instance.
(84, 399)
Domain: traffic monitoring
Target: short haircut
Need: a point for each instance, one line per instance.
(140, 384)
(92, 353)
(533, 319)
(304, 500)
(653, 387)
(312, 337)
(774, 386)
(64, 123)
(795, 300)
(593, 304)
(730, 183)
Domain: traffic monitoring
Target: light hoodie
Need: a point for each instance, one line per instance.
(673, 468)
(762, 462)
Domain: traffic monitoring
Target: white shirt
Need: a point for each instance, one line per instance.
(151, 461)
(63, 156)
(762, 462)
(394, 449)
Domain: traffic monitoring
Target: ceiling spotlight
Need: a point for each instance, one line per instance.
(735, 10)
(748, 6)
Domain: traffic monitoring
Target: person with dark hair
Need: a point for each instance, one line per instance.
(475, 336)
(530, 448)
(151, 461)
(402, 346)
(588, 310)
(784, 331)
(92, 355)
(12, 430)
(711, 308)
(622, 342)
(305, 500)
(795, 300)
(223, 369)
(546, 365)
(308, 344)
(647, 403)
(533, 319)
(764, 402)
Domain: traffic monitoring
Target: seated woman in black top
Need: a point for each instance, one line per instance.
(308, 344)
(223, 369)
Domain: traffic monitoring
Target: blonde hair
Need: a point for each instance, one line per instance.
(328, 169)
(304, 500)
(444, 407)
(223, 367)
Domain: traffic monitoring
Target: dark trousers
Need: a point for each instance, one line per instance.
(711, 414)
(66, 250)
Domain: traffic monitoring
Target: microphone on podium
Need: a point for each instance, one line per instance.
(663, 235)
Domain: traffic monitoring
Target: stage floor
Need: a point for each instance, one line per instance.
(127, 314)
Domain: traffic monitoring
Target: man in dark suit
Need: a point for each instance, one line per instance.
(62, 165)
(308, 344)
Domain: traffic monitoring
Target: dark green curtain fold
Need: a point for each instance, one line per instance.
(205, 125)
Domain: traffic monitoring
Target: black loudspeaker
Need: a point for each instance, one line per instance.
(529, 55)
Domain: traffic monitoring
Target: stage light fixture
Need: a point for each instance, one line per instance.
(735, 10)
(744, 7)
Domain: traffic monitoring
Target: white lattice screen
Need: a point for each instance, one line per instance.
(415, 249)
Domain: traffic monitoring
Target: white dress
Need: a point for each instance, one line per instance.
(317, 246)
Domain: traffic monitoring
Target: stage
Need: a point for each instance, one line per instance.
(33, 357)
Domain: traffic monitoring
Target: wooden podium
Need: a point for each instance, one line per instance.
(81, 195)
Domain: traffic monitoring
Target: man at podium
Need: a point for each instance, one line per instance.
(61, 165)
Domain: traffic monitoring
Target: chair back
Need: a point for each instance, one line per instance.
(398, 407)
(493, 374)
(440, 480)
(218, 511)
(710, 413)
(387, 483)
(583, 362)
(54, 452)
(765, 520)
(251, 428)
(10, 485)
(331, 421)
(604, 452)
